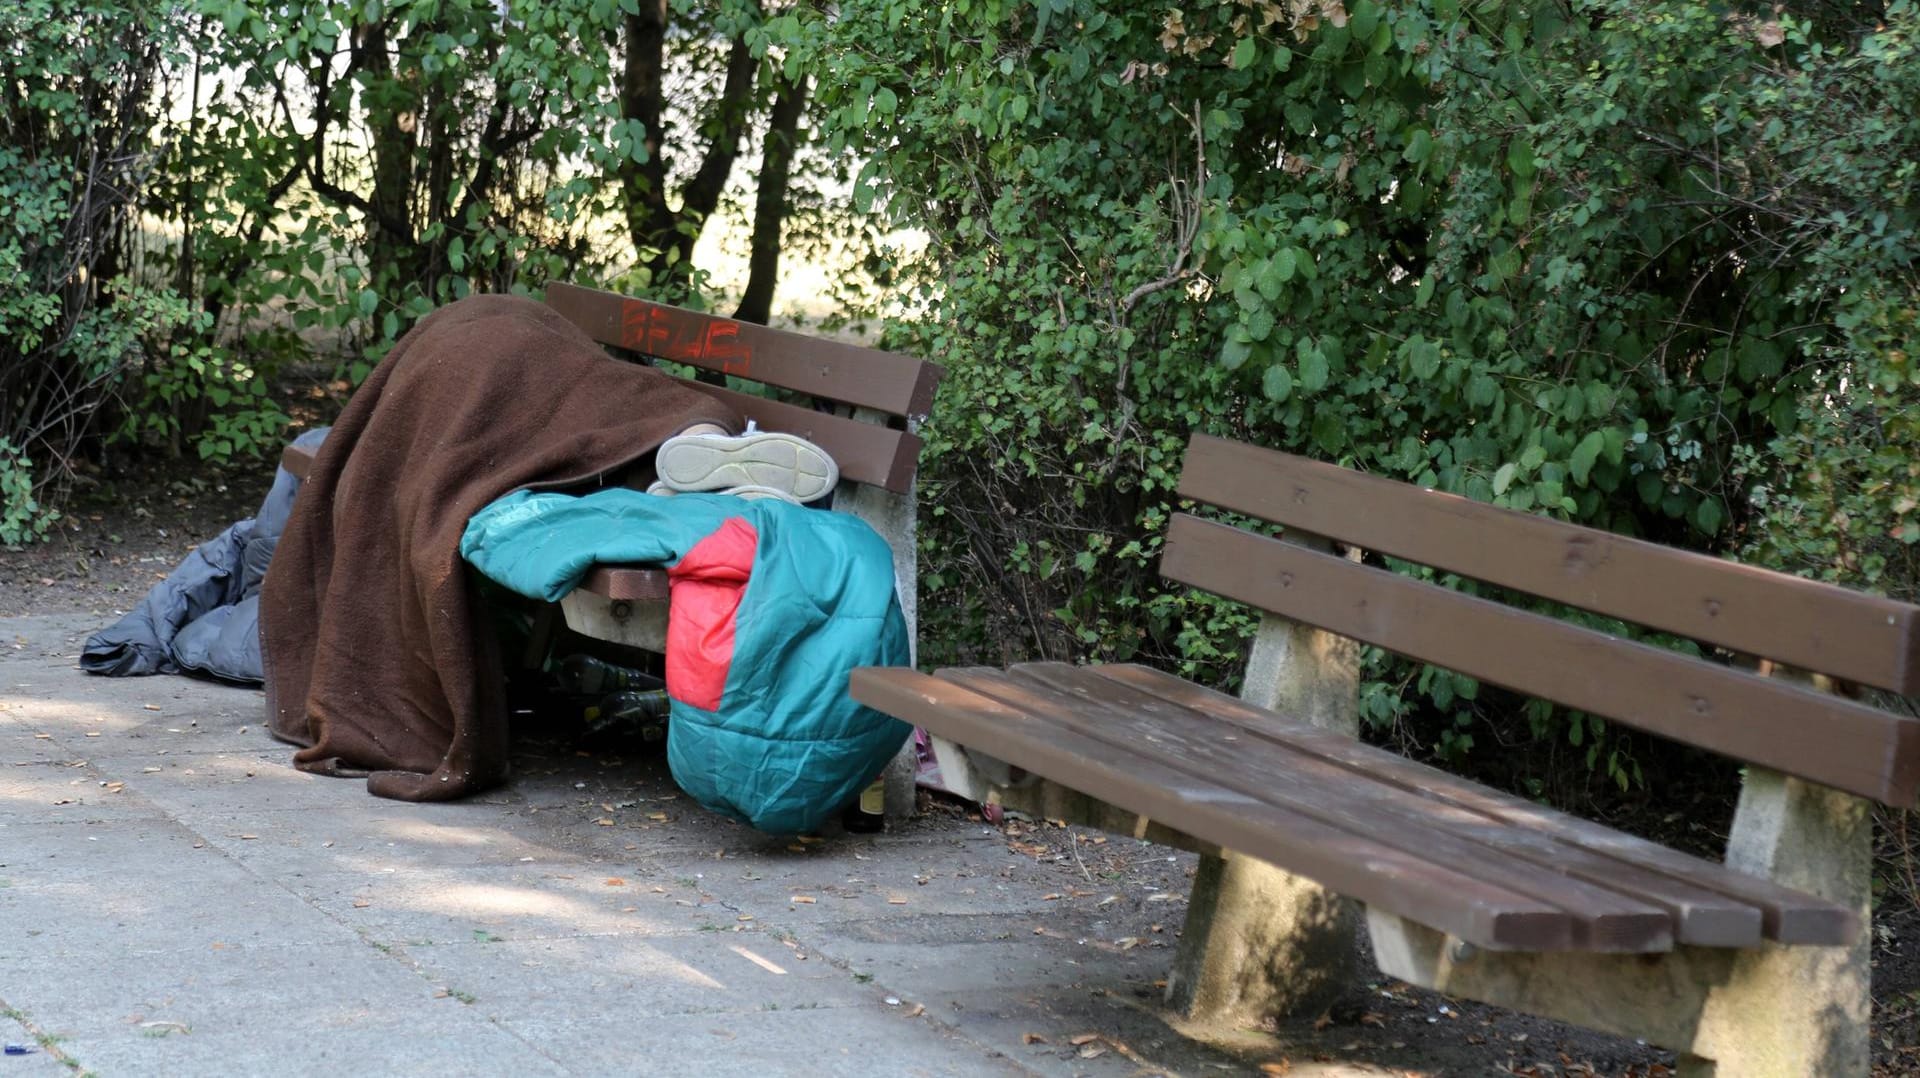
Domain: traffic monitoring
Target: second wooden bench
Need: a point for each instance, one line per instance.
(1754, 966)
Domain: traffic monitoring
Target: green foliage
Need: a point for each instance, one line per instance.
(1580, 258)
(74, 151)
(352, 164)
(1836, 495)
(21, 518)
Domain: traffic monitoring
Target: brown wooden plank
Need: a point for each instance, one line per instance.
(1766, 614)
(1604, 920)
(1789, 916)
(1820, 737)
(626, 584)
(297, 460)
(1350, 864)
(895, 384)
(1699, 916)
(865, 452)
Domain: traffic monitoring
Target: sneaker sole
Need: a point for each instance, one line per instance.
(765, 459)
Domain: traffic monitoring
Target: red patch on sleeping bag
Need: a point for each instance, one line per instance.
(706, 587)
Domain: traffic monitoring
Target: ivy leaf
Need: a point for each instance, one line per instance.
(1243, 54)
(1520, 158)
(1708, 515)
(1422, 356)
(1584, 454)
(1313, 366)
(1503, 478)
(1236, 349)
(1277, 384)
(1419, 145)
(1285, 263)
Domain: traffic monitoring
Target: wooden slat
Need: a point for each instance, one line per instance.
(624, 584)
(1816, 736)
(1604, 920)
(865, 452)
(895, 384)
(297, 460)
(1769, 615)
(1350, 864)
(1789, 916)
(1404, 817)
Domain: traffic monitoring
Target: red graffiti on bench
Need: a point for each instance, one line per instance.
(684, 337)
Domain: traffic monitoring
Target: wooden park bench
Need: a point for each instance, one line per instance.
(861, 405)
(1755, 966)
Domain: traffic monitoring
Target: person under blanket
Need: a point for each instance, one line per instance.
(379, 658)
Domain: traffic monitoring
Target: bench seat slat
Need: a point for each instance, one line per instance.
(1820, 737)
(1484, 914)
(1788, 916)
(626, 584)
(1820, 627)
(1488, 846)
(1604, 920)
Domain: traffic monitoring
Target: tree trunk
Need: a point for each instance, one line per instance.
(393, 118)
(643, 184)
(663, 237)
(770, 201)
(724, 130)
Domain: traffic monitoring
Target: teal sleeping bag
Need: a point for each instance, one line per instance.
(773, 606)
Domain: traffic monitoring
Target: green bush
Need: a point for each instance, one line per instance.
(1579, 258)
(75, 150)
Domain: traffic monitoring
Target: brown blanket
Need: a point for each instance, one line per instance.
(378, 656)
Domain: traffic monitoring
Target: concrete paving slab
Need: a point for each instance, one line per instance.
(139, 889)
(197, 906)
(796, 1042)
(402, 1048)
(446, 906)
(517, 982)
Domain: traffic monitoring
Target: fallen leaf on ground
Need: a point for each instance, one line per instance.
(1079, 1039)
(615, 881)
(805, 900)
(1032, 1038)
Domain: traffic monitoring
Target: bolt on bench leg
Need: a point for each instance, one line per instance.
(1769, 1012)
(1260, 940)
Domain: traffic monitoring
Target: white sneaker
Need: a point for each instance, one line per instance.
(758, 460)
(661, 489)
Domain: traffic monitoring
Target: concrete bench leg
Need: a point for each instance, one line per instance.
(893, 516)
(1773, 1012)
(1259, 940)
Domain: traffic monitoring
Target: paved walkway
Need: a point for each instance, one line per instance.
(175, 899)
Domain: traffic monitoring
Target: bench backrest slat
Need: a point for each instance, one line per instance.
(865, 452)
(832, 370)
(1818, 736)
(1816, 626)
